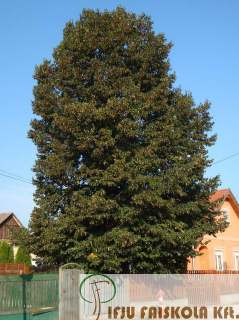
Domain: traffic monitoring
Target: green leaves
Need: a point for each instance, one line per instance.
(120, 183)
(23, 256)
(6, 252)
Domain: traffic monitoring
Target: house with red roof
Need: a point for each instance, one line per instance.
(222, 251)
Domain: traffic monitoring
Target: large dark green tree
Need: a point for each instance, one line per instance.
(122, 153)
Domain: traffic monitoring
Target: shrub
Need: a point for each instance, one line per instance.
(23, 256)
(6, 253)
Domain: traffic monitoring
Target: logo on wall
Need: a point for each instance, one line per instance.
(97, 289)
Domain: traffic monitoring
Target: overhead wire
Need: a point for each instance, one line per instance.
(19, 178)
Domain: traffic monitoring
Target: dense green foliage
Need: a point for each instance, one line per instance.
(6, 252)
(23, 256)
(120, 170)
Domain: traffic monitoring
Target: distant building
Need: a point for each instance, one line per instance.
(221, 252)
(8, 222)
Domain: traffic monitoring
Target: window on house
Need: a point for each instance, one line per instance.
(236, 260)
(225, 213)
(219, 260)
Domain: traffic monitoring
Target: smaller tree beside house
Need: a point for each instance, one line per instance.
(23, 256)
(11, 250)
(6, 253)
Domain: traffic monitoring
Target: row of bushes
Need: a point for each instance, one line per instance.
(7, 254)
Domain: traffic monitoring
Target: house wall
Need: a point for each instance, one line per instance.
(6, 227)
(226, 242)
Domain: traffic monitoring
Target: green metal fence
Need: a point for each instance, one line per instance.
(29, 297)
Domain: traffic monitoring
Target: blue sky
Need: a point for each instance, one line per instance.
(204, 56)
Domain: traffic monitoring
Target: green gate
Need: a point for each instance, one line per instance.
(28, 297)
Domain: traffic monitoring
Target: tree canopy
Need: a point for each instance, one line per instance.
(121, 152)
